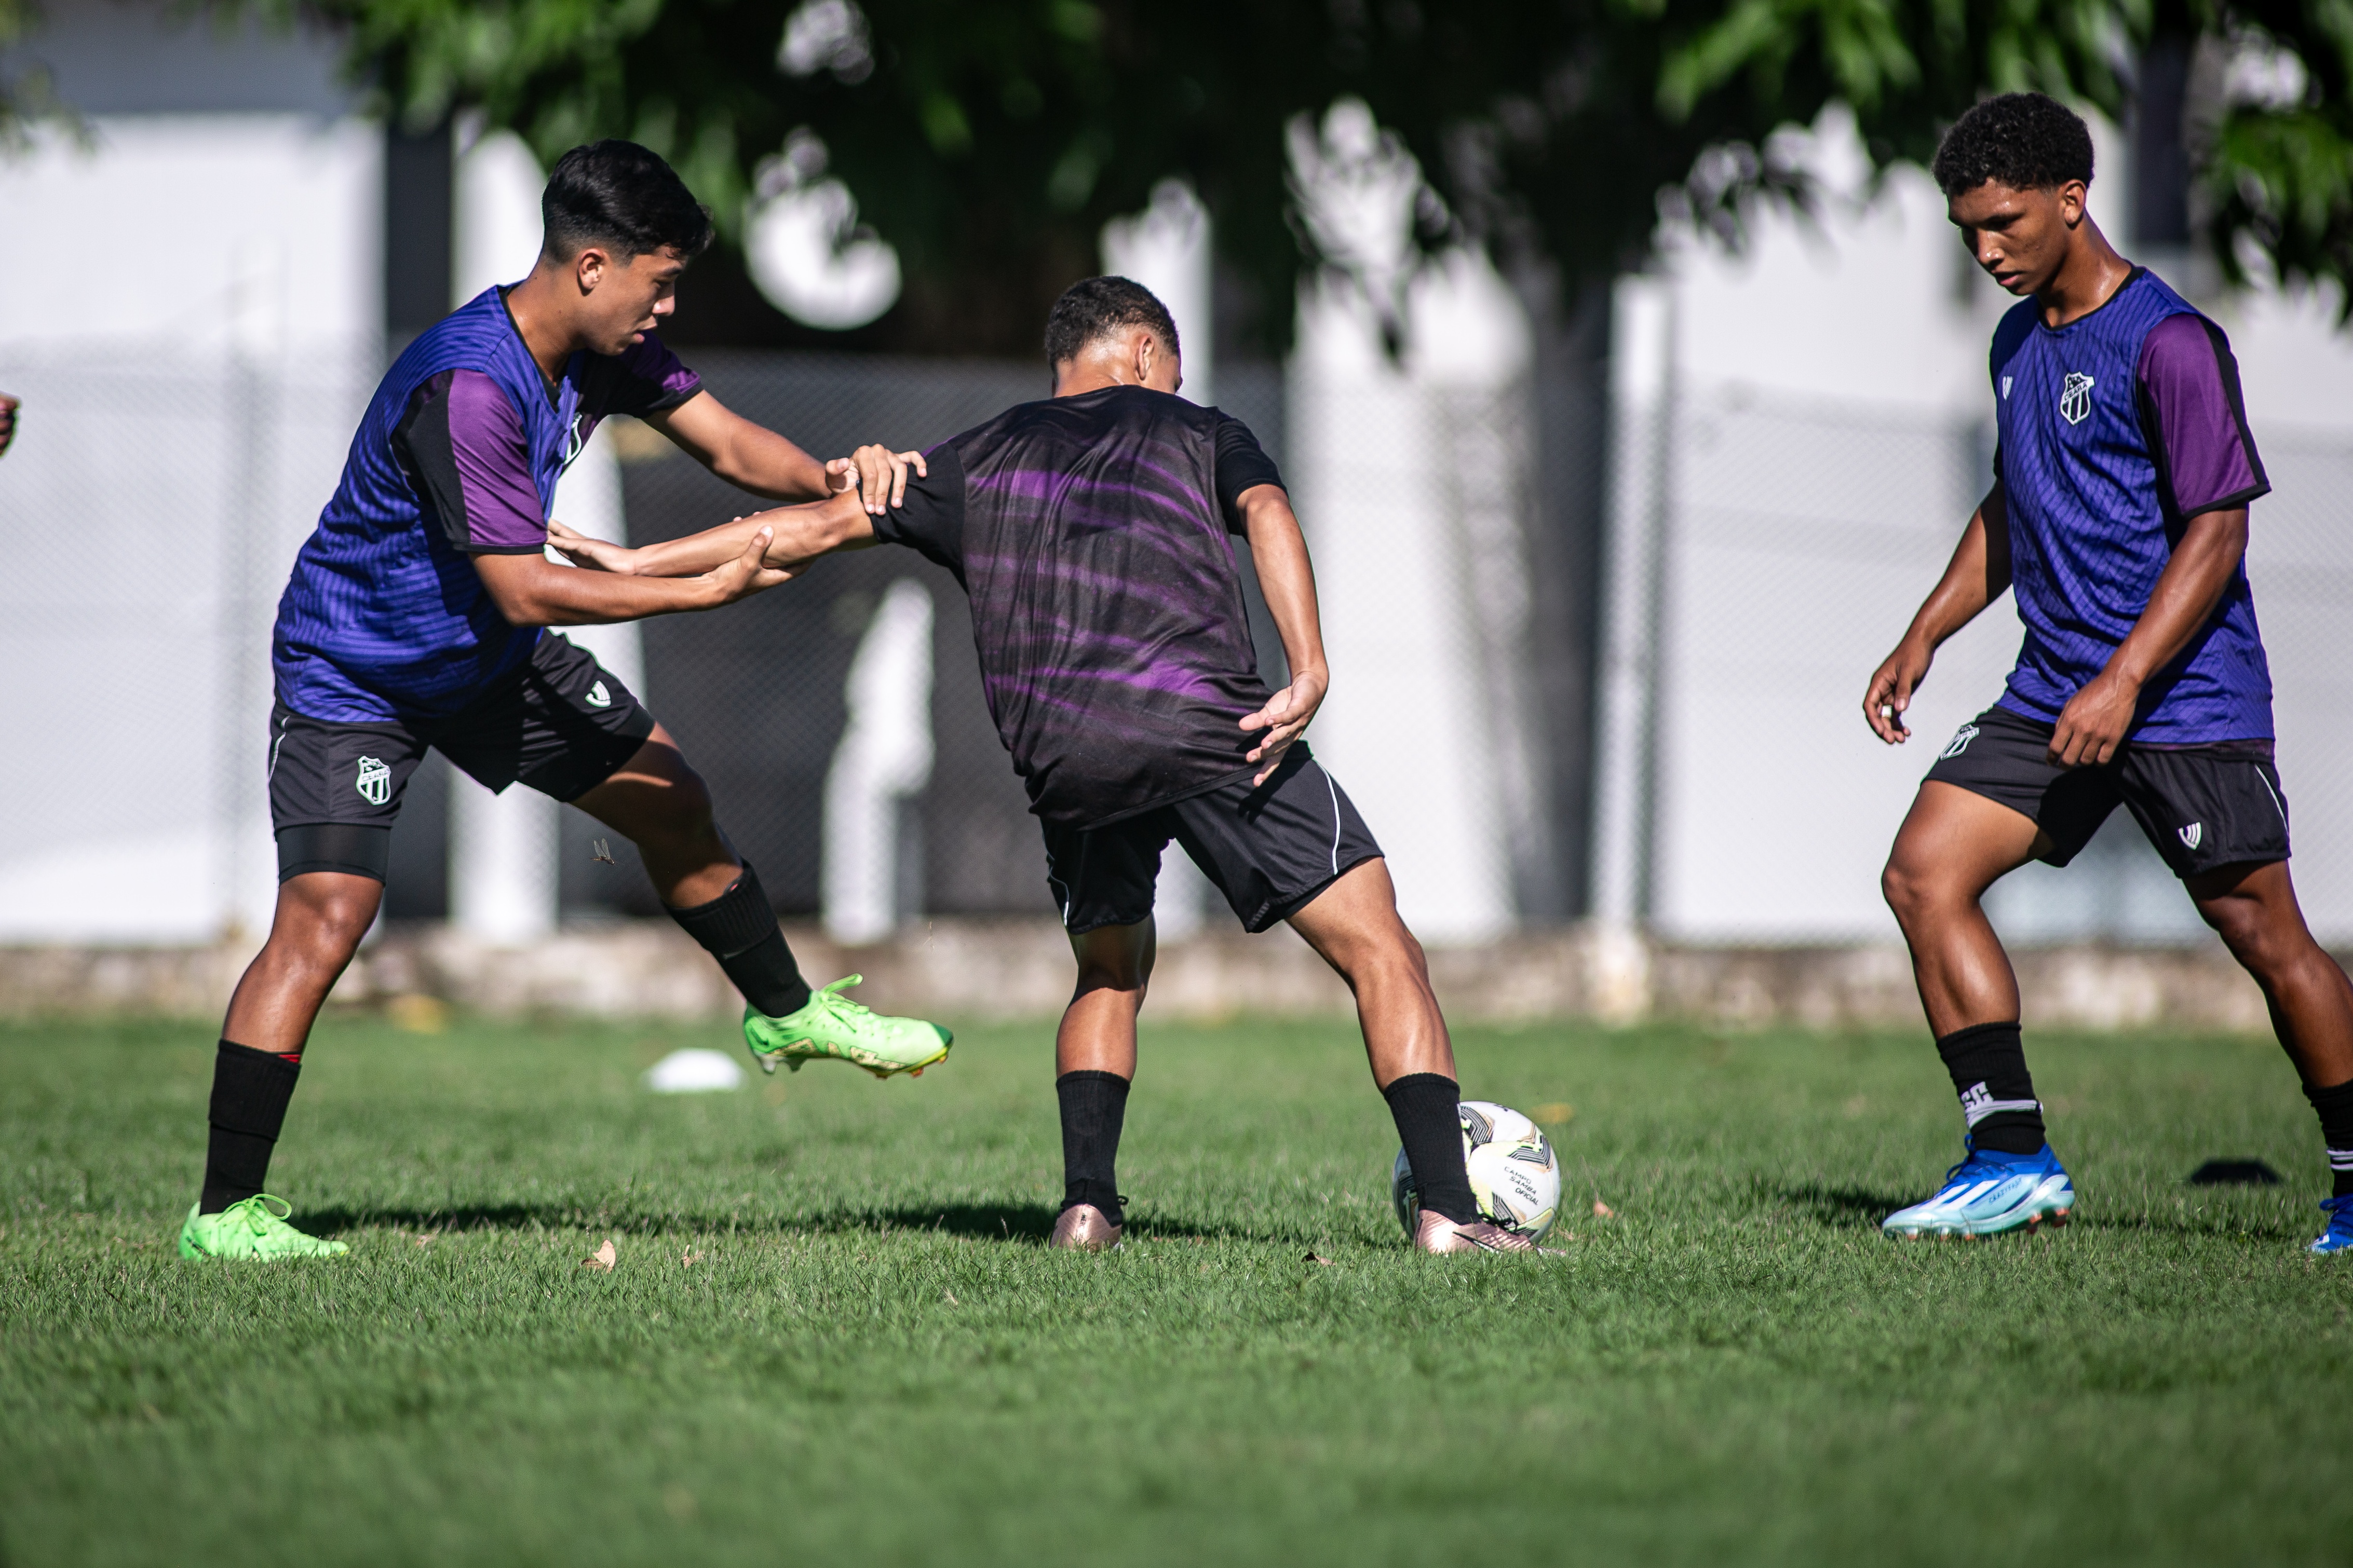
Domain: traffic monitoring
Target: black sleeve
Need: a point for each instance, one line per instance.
(1242, 464)
(931, 519)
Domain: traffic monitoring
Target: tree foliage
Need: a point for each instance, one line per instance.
(989, 140)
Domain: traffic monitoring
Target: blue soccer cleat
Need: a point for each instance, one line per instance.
(1988, 1192)
(2339, 1237)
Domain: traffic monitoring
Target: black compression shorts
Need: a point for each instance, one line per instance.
(562, 724)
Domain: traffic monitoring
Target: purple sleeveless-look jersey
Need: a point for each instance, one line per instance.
(2115, 430)
(385, 615)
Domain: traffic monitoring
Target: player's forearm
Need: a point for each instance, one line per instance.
(742, 453)
(531, 591)
(767, 465)
(1287, 579)
(695, 552)
(2187, 593)
(1973, 578)
(819, 528)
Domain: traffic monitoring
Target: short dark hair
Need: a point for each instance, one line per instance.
(1093, 306)
(620, 193)
(2023, 140)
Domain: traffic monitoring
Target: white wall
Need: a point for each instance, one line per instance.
(188, 309)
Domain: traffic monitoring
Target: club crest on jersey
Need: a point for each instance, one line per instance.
(375, 780)
(1960, 741)
(2075, 397)
(2190, 835)
(2005, 389)
(598, 696)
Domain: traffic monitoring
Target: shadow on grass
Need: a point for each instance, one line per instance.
(1843, 1208)
(1836, 1208)
(1026, 1223)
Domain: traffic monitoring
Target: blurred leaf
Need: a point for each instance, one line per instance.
(989, 140)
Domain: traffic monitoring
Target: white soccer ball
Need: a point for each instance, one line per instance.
(1514, 1173)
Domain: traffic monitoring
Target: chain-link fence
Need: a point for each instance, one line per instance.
(151, 504)
(1763, 552)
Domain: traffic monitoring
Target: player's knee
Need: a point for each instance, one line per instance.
(1389, 953)
(2258, 937)
(681, 816)
(324, 926)
(1115, 958)
(1910, 889)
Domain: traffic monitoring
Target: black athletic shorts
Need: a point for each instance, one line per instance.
(1270, 848)
(2201, 806)
(562, 725)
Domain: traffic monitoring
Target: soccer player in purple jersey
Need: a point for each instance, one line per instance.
(1091, 531)
(2118, 516)
(416, 617)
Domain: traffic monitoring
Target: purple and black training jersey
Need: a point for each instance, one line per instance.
(385, 615)
(2115, 430)
(1092, 533)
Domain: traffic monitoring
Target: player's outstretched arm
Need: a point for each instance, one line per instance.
(1288, 579)
(532, 591)
(798, 534)
(2095, 721)
(756, 458)
(1977, 574)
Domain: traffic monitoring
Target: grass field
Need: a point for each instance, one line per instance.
(871, 1359)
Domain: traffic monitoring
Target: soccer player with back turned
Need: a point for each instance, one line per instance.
(2118, 516)
(1091, 532)
(416, 618)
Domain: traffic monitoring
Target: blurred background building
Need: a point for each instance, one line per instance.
(1601, 585)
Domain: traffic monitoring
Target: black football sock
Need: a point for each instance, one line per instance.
(2336, 1110)
(738, 928)
(250, 1090)
(1987, 1062)
(1094, 1106)
(1427, 1108)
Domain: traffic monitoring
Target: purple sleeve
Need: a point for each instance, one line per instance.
(649, 380)
(2196, 423)
(493, 465)
(464, 443)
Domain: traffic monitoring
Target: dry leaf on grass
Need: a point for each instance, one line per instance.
(1319, 1258)
(603, 1260)
(1603, 1211)
(949, 1296)
(426, 1239)
(689, 1260)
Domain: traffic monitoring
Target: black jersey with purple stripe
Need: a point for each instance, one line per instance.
(1092, 534)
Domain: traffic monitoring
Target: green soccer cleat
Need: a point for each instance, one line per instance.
(252, 1227)
(831, 1025)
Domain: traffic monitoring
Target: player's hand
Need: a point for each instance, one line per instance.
(879, 473)
(8, 406)
(595, 554)
(1284, 719)
(2093, 724)
(1891, 688)
(748, 573)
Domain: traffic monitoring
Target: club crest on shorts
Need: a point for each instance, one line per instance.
(2190, 835)
(1960, 741)
(598, 696)
(2075, 397)
(375, 780)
